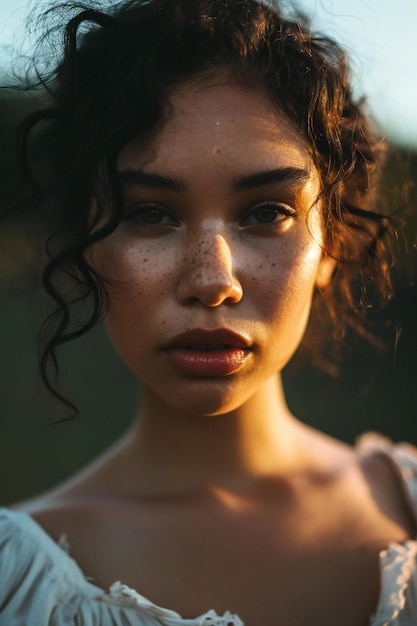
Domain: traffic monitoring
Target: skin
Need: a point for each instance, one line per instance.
(219, 267)
(217, 485)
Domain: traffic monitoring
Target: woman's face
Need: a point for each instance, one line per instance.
(216, 259)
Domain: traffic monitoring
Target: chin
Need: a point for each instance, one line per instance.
(205, 398)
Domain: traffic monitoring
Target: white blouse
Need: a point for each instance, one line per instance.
(41, 585)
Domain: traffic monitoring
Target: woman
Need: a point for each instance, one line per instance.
(214, 180)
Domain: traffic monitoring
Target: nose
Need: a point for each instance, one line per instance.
(208, 273)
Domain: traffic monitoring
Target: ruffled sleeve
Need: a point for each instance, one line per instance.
(39, 583)
(397, 604)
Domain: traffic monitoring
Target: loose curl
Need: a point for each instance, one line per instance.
(112, 85)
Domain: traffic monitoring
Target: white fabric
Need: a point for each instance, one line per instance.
(397, 605)
(41, 585)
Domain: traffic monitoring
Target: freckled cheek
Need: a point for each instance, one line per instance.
(137, 301)
(284, 280)
(135, 279)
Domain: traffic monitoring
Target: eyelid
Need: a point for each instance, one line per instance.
(285, 209)
(136, 208)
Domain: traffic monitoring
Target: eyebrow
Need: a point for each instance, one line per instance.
(270, 177)
(247, 181)
(151, 179)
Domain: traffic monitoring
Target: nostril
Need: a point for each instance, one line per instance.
(208, 273)
(211, 288)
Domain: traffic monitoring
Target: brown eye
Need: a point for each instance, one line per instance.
(150, 215)
(269, 213)
(266, 214)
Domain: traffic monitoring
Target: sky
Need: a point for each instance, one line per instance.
(380, 36)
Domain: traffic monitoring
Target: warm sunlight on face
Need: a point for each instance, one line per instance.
(219, 251)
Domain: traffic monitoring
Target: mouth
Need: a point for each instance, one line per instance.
(209, 346)
(201, 339)
(208, 353)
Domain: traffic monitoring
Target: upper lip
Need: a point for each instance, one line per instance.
(201, 337)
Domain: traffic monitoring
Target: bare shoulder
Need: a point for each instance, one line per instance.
(69, 508)
(387, 489)
(365, 481)
(80, 496)
(90, 506)
(58, 515)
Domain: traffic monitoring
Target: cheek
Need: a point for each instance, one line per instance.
(129, 270)
(286, 278)
(284, 299)
(136, 280)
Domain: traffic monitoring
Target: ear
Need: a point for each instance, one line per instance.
(326, 269)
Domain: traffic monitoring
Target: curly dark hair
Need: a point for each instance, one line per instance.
(111, 85)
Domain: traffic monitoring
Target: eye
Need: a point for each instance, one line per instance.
(150, 214)
(268, 213)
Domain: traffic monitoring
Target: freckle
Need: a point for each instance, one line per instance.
(274, 264)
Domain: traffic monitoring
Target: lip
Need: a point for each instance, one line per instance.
(208, 353)
(201, 336)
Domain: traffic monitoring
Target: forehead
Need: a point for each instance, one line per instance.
(220, 123)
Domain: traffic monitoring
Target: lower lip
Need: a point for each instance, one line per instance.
(209, 363)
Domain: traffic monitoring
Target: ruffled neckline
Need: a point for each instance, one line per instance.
(125, 596)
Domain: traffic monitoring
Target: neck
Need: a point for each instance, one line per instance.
(190, 452)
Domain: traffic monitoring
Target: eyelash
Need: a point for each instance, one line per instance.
(137, 213)
(281, 210)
